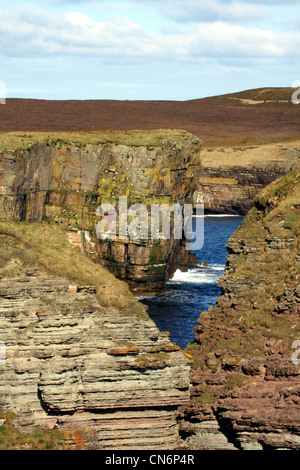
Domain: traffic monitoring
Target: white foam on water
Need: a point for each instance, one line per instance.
(216, 267)
(197, 276)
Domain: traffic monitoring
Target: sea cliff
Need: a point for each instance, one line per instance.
(246, 376)
(81, 354)
(64, 181)
(232, 176)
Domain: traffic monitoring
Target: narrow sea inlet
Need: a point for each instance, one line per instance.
(192, 292)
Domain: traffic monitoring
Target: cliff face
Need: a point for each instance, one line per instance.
(230, 178)
(80, 353)
(65, 184)
(246, 372)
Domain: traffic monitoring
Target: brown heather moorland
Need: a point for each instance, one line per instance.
(250, 117)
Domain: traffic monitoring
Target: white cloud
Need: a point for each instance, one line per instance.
(223, 40)
(214, 10)
(146, 49)
(29, 32)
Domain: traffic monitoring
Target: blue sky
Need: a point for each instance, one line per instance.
(147, 49)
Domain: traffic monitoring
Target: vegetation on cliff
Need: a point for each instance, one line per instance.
(245, 381)
(40, 439)
(46, 245)
(257, 314)
(63, 182)
(15, 140)
(100, 371)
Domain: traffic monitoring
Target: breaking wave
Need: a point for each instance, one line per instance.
(192, 291)
(205, 275)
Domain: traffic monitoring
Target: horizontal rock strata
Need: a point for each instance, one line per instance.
(231, 177)
(65, 184)
(73, 364)
(246, 371)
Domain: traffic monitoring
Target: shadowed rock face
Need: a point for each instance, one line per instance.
(65, 184)
(245, 384)
(79, 364)
(231, 177)
(232, 190)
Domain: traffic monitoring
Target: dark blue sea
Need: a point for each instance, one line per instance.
(192, 292)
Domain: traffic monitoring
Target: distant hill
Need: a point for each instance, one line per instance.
(251, 116)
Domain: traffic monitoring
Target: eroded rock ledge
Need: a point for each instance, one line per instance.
(231, 177)
(245, 384)
(80, 360)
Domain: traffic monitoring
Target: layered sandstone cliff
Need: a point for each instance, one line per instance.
(246, 373)
(231, 177)
(63, 182)
(80, 353)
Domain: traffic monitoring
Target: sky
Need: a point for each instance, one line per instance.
(146, 49)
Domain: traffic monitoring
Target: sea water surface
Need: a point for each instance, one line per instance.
(192, 292)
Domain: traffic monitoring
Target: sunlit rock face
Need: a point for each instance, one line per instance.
(65, 184)
(246, 372)
(70, 362)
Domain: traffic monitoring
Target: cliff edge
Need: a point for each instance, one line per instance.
(246, 371)
(78, 352)
(63, 178)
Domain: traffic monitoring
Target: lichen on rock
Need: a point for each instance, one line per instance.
(245, 385)
(64, 183)
(81, 352)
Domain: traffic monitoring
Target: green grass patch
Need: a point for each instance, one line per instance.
(211, 394)
(149, 138)
(41, 244)
(39, 439)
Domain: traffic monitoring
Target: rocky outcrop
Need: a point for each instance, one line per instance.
(76, 359)
(65, 183)
(231, 178)
(246, 371)
(83, 355)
